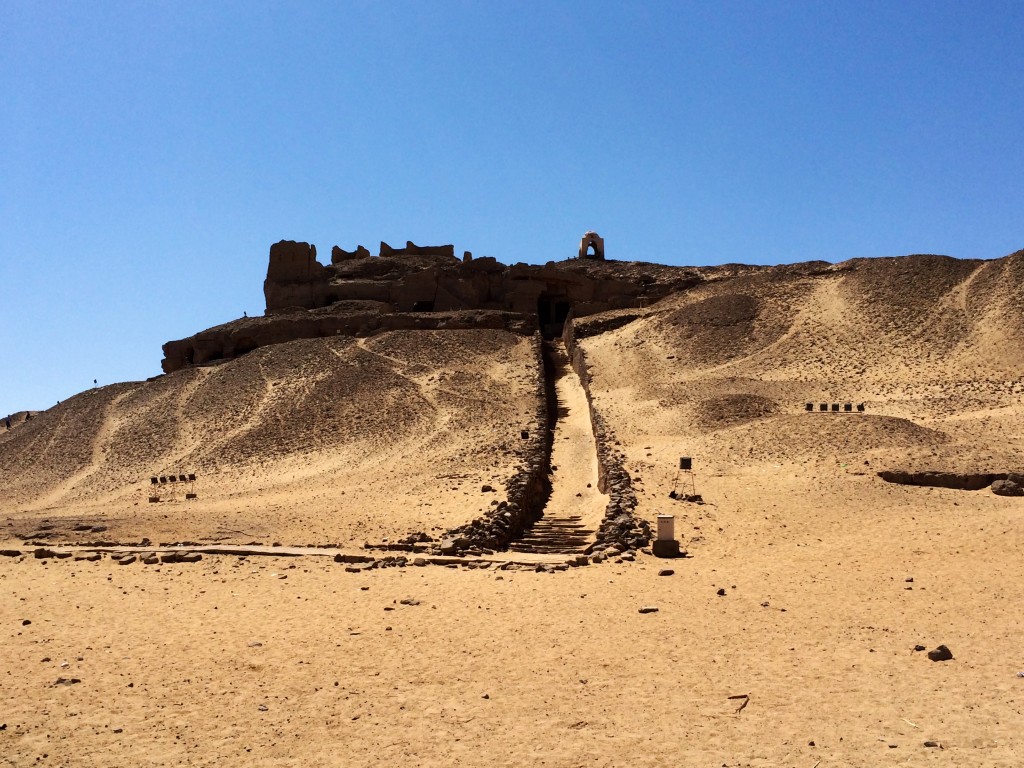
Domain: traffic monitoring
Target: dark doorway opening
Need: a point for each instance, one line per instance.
(552, 312)
(423, 306)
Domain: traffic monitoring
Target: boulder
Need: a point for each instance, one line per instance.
(1007, 487)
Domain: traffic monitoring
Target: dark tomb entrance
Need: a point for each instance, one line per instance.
(552, 312)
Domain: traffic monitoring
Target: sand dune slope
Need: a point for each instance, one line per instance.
(317, 440)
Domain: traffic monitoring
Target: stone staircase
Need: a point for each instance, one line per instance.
(554, 535)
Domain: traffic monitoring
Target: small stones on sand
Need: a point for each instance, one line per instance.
(666, 572)
(649, 609)
(942, 653)
(89, 557)
(66, 681)
(419, 562)
(409, 601)
(190, 557)
(933, 744)
(151, 560)
(487, 489)
(919, 647)
(721, 592)
(26, 622)
(126, 560)
(10, 552)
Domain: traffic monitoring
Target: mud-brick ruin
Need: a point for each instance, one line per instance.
(426, 287)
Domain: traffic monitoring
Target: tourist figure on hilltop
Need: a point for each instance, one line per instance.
(7, 422)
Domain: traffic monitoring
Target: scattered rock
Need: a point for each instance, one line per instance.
(666, 572)
(487, 489)
(151, 560)
(942, 653)
(10, 552)
(190, 557)
(25, 622)
(419, 562)
(90, 557)
(1007, 488)
(448, 547)
(66, 681)
(127, 560)
(648, 609)
(409, 601)
(919, 647)
(42, 553)
(933, 744)
(721, 592)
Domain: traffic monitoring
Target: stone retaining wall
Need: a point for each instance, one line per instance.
(620, 527)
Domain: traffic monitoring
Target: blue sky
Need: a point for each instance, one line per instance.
(150, 152)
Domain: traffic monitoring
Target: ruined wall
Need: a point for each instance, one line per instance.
(293, 271)
(620, 529)
(359, 294)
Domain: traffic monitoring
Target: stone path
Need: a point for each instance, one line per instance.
(576, 507)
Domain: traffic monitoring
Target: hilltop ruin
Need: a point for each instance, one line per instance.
(426, 287)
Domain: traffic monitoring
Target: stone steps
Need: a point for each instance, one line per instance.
(561, 535)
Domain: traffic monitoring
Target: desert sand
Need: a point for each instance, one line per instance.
(786, 637)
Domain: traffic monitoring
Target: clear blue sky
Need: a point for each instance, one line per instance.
(150, 152)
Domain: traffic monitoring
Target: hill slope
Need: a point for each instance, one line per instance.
(296, 442)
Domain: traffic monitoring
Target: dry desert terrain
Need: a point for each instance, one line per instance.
(785, 637)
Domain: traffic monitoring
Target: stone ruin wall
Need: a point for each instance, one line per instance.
(434, 277)
(416, 287)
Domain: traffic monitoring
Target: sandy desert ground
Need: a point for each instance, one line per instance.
(810, 580)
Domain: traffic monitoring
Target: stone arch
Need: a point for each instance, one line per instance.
(592, 240)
